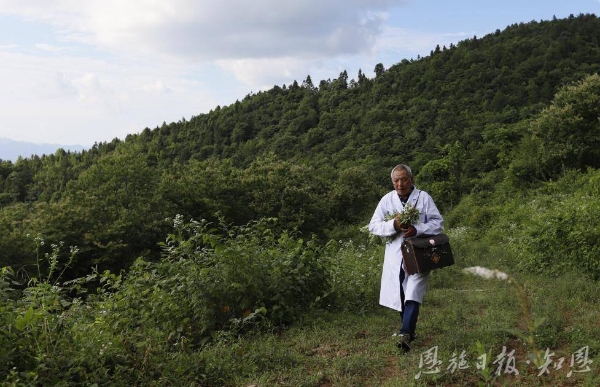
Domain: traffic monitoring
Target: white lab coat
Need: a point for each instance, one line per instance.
(431, 223)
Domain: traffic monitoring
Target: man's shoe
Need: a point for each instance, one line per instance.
(397, 334)
(404, 342)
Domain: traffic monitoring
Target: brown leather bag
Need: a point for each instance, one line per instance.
(426, 252)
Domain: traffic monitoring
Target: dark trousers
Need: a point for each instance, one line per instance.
(410, 311)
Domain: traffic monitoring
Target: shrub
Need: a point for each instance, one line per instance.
(355, 276)
(215, 278)
(138, 325)
(562, 234)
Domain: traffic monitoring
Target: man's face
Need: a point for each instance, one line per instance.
(402, 182)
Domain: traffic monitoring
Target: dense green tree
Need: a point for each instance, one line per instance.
(6, 197)
(444, 177)
(201, 189)
(294, 193)
(16, 239)
(569, 129)
(122, 216)
(353, 195)
(18, 181)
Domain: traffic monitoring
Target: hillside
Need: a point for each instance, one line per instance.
(314, 156)
(456, 93)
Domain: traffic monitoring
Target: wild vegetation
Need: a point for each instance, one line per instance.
(226, 250)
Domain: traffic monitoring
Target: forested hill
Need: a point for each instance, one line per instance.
(317, 155)
(407, 112)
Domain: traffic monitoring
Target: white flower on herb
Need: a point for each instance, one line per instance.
(410, 215)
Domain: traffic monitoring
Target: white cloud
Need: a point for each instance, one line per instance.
(8, 47)
(209, 30)
(78, 100)
(49, 47)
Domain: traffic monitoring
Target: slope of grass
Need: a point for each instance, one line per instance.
(463, 318)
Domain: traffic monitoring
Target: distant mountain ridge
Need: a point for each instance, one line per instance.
(11, 149)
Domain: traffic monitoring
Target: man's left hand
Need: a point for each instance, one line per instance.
(410, 232)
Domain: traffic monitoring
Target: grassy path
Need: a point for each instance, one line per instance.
(464, 318)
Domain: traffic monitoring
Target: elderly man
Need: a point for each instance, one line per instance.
(400, 291)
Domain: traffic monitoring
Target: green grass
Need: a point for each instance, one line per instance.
(461, 312)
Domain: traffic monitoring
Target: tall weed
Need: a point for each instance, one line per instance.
(355, 272)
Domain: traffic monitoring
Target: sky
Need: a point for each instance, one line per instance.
(87, 71)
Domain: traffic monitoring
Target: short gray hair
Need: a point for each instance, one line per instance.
(402, 166)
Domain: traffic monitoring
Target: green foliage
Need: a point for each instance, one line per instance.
(550, 230)
(171, 320)
(353, 193)
(561, 233)
(32, 319)
(14, 244)
(200, 189)
(569, 129)
(242, 272)
(444, 176)
(355, 272)
(410, 215)
(294, 193)
(145, 326)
